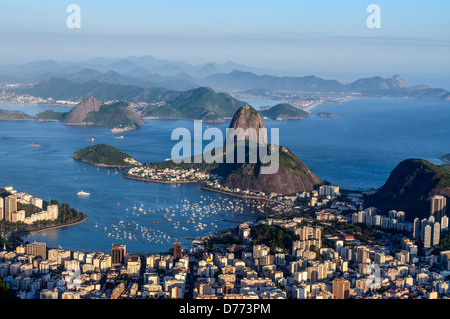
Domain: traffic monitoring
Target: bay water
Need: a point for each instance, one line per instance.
(356, 150)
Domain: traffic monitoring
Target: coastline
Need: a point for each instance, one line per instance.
(22, 233)
(158, 182)
(102, 165)
(312, 106)
(238, 195)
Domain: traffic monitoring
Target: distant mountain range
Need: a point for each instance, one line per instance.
(145, 71)
(62, 89)
(140, 73)
(91, 111)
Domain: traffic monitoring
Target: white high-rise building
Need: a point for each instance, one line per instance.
(52, 211)
(37, 202)
(2, 212)
(326, 190)
(444, 223)
(436, 234)
(438, 205)
(427, 241)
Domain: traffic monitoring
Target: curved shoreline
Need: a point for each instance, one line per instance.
(203, 188)
(42, 229)
(101, 165)
(157, 181)
(238, 195)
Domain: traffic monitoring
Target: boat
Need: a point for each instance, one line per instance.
(35, 145)
(120, 137)
(90, 140)
(83, 194)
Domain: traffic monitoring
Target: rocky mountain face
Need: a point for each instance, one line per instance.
(244, 119)
(410, 186)
(78, 114)
(292, 175)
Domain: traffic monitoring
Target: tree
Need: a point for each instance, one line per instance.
(5, 292)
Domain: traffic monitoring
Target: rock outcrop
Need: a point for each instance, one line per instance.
(78, 114)
(291, 176)
(245, 119)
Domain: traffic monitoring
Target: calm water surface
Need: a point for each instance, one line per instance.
(357, 150)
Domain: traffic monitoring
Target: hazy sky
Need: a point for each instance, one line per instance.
(327, 38)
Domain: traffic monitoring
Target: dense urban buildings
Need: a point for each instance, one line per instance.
(9, 208)
(324, 259)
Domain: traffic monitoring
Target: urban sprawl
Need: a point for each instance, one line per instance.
(327, 258)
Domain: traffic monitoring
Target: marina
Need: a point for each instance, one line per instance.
(182, 218)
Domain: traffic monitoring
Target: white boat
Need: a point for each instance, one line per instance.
(83, 194)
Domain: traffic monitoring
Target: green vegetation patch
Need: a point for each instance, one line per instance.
(105, 155)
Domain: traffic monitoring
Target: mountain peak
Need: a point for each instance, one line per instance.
(399, 82)
(77, 115)
(248, 118)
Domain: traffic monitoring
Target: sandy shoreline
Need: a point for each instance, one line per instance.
(312, 106)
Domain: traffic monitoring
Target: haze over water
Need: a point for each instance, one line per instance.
(357, 150)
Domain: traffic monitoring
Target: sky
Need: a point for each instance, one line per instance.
(326, 38)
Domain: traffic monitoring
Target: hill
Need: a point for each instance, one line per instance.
(248, 80)
(119, 114)
(105, 156)
(284, 111)
(410, 187)
(78, 114)
(198, 104)
(292, 176)
(374, 86)
(50, 115)
(13, 116)
(91, 111)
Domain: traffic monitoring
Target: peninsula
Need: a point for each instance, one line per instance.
(291, 177)
(28, 214)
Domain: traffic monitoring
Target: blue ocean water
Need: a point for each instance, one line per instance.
(356, 150)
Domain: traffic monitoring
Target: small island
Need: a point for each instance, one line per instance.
(284, 111)
(325, 114)
(104, 155)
